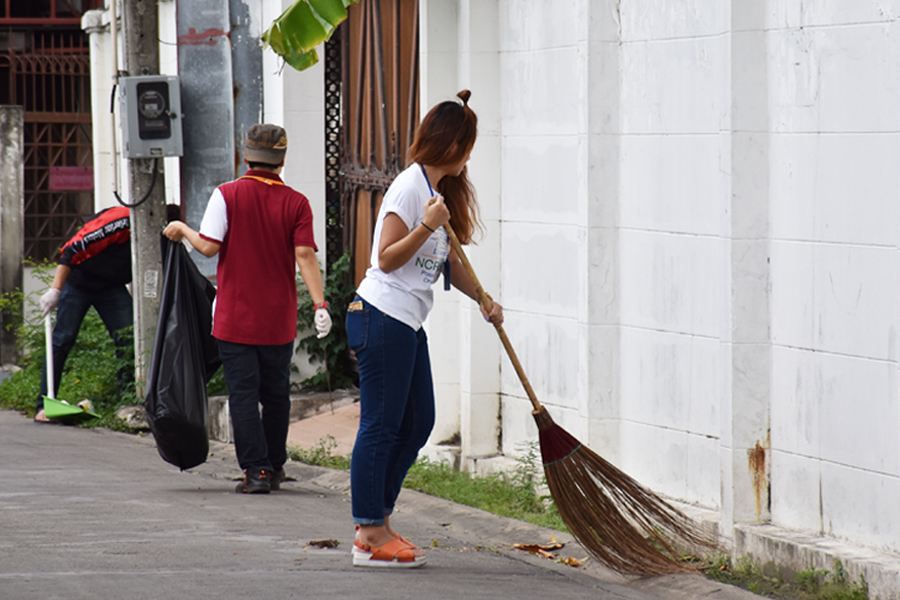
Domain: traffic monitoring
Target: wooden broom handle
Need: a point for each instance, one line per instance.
(486, 301)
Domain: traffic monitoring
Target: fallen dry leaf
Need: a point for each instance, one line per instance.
(542, 550)
(536, 547)
(571, 561)
(324, 543)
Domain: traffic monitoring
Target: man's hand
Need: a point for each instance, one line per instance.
(323, 322)
(49, 301)
(178, 231)
(175, 231)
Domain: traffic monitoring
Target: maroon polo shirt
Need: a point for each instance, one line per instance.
(259, 222)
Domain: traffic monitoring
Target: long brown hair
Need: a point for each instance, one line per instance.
(445, 136)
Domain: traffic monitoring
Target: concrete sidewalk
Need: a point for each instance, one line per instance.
(341, 424)
(92, 513)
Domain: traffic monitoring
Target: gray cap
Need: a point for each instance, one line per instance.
(265, 144)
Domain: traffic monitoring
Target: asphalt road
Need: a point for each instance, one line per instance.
(91, 513)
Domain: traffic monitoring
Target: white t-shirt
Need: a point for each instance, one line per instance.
(405, 293)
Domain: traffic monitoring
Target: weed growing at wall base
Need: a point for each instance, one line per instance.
(812, 584)
(321, 455)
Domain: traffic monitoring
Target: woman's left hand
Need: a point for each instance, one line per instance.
(495, 316)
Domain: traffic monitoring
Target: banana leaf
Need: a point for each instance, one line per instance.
(305, 25)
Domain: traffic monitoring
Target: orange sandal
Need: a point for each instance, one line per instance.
(398, 537)
(395, 554)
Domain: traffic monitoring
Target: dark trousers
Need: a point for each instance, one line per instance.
(258, 375)
(115, 307)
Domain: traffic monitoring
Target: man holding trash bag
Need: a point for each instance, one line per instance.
(261, 229)
(92, 270)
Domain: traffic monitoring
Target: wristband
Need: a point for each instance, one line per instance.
(427, 227)
(321, 305)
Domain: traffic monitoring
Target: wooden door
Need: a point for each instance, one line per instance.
(371, 122)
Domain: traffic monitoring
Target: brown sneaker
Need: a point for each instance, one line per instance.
(256, 481)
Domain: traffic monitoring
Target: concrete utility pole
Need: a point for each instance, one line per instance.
(141, 31)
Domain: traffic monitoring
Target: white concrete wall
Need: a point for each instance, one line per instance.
(673, 236)
(833, 88)
(696, 206)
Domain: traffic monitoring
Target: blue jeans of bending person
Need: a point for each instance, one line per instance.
(115, 307)
(396, 409)
(258, 375)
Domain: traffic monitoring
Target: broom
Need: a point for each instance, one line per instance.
(620, 523)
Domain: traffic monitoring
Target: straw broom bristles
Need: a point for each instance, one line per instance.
(619, 522)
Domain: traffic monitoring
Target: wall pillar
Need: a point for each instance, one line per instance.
(95, 23)
(745, 434)
(438, 81)
(599, 317)
(480, 349)
(12, 210)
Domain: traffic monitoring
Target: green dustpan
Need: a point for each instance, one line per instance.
(57, 410)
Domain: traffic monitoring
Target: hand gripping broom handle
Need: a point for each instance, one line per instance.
(486, 301)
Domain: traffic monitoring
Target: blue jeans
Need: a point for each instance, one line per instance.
(396, 409)
(115, 307)
(258, 375)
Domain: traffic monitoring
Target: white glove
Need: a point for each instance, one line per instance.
(323, 322)
(49, 301)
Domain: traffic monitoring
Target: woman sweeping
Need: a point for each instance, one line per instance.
(384, 322)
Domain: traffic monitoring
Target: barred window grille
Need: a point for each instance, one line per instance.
(47, 72)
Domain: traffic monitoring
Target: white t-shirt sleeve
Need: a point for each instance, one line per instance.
(215, 220)
(406, 204)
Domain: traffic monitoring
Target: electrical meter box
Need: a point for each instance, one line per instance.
(150, 116)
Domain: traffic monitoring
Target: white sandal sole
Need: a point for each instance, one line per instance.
(364, 559)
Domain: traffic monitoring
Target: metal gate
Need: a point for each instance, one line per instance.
(48, 73)
(374, 63)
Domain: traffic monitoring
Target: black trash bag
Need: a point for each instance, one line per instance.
(184, 358)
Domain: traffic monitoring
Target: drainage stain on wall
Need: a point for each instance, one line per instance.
(756, 458)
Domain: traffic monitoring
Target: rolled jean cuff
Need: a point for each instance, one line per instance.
(368, 522)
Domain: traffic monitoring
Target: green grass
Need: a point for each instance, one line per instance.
(500, 494)
(90, 370)
(812, 584)
(321, 455)
(509, 495)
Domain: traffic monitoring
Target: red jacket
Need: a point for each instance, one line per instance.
(100, 253)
